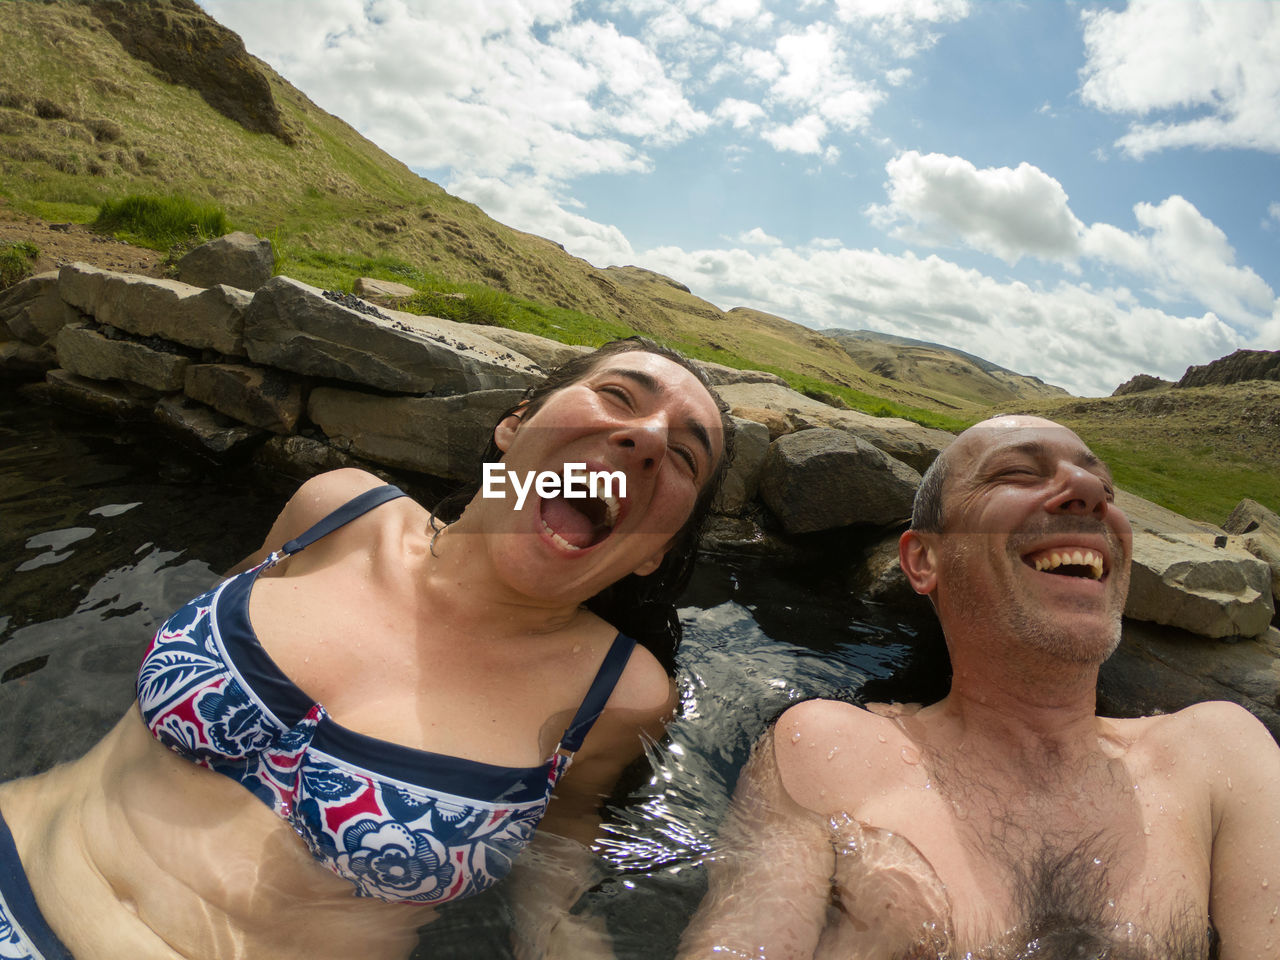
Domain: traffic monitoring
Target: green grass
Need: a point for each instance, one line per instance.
(1202, 489)
(161, 222)
(16, 260)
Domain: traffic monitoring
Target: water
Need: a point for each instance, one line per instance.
(105, 529)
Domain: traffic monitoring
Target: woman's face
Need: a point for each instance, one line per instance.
(637, 416)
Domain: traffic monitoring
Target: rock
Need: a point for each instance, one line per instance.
(720, 375)
(293, 326)
(909, 442)
(210, 319)
(1259, 532)
(1140, 384)
(1160, 670)
(205, 430)
(87, 353)
(32, 309)
(22, 361)
(824, 478)
(189, 47)
(1241, 365)
(742, 536)
(546, 353)
(751, 445)
(238, 260)
(103, 398)
(440, 436)
(302, 457)
(1182, 579)
(381, 290)
(258, 396)
(879, 578)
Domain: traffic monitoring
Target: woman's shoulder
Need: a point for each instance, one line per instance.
(314, 500)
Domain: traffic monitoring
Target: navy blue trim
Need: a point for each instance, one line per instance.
(23, 909)
(355, 507)
(469, 779)
(607, 677)
(264, 678)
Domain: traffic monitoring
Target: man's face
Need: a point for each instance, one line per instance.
(1032, 540)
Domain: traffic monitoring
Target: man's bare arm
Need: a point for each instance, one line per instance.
(1244, 893)
(770, 881)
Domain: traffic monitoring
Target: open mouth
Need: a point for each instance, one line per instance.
(1068, 562)
(577, 523)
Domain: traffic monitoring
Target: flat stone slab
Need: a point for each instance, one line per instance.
(103, 398)
(88, 353)
(259, 396)
(211, 319)
(440, 436)
(295, 327)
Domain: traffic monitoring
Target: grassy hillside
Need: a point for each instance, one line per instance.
(89, 123)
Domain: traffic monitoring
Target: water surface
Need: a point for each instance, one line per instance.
(105, 529)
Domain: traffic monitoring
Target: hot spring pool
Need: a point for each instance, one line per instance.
(105, 529)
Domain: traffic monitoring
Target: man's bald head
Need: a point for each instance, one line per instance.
(927, 510)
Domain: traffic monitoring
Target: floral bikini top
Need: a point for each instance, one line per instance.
(400, 824)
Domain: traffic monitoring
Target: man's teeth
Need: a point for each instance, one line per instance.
(611, 507)
(1077, 558)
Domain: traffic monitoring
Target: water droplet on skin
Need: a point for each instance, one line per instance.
(910, 755)
(795, 737)
(1147, 830)
(1228, 783)
(1097, 862)
(1111, 904)
(882, 738)
(961, 812)
(1265, 883)
(832, 752)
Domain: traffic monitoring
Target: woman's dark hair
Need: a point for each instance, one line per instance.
(640, 607)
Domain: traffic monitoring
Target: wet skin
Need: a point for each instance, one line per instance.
(475, 645)
(1007, 820)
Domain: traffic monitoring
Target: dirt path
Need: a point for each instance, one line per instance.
(62, 243)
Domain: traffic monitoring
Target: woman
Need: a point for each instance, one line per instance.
(450, 670)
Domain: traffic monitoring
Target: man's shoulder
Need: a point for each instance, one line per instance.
(830, 753)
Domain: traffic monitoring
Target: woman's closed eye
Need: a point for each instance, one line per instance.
(619, 393)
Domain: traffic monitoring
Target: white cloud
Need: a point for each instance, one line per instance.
(1088, 341)
(1219, 62)
(741, 114)
(903, 24)
(1272, 217)
(1010, 213)
(756, 237)
(1177, 252)
(803, 136)
(535, 207)
(1183, 254)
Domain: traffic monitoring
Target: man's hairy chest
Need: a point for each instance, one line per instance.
(1115, 866)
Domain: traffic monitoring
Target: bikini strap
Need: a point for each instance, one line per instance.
(615, 661)
(355, 507)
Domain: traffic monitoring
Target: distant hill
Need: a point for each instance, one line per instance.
(939, 367)
(156, 97)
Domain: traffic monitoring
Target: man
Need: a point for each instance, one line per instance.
(1008, 820)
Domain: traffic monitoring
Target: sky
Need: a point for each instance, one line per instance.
(1077, 191)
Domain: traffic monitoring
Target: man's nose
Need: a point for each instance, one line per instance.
(642, 443)
(1083, 492)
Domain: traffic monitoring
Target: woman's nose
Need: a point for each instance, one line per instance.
(642, 443)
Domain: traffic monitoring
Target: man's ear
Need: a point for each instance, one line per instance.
(506, 429)
(918, 558)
